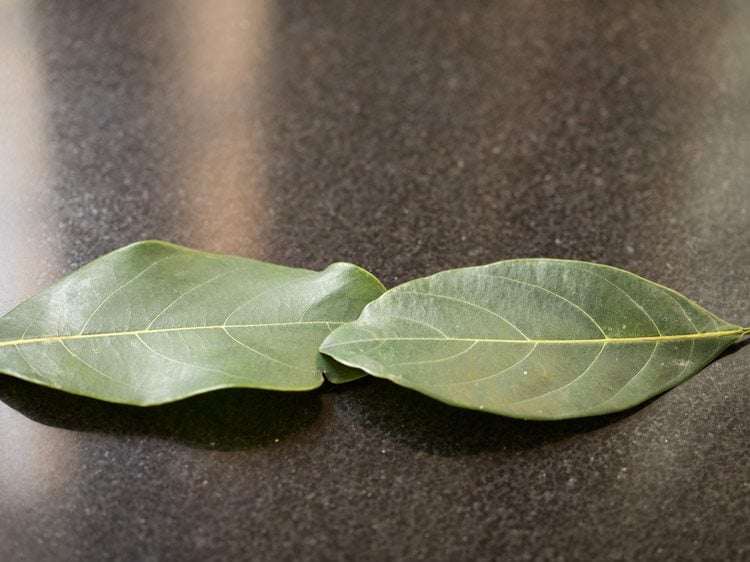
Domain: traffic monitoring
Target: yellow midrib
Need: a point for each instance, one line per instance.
(49, 339)
(641, 339)
(676, 337)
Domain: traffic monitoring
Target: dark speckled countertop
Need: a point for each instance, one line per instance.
(407, 138)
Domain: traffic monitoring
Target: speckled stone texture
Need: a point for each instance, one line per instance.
(407, 138)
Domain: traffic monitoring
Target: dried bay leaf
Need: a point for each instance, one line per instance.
(534, 338)
(154, 322)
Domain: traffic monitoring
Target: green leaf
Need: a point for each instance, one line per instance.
(534, 339)
(154, 322)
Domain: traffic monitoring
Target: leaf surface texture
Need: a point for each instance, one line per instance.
(154, 322)
(534, 338)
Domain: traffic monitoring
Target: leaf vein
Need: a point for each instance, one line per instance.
(684, 312)
(627, 294)
(119, 288)
(248, 301)
(439, 360)
(493, 375)
(224, 329)
(50, 339)
(98, 371)
(606, 341)
(630, 380)
(430, 326)
(462, 301)
(553, 293)
(23, 357)
(194, 365)
(566, 385)
(195, 288)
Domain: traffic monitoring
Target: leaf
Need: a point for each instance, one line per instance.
(154, 322)
(534, 339)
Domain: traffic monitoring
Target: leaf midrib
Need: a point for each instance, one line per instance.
(141, 332)
(639, 339)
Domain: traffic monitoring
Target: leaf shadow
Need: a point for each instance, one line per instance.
(732, 349)
(422, 423)
(228, 419)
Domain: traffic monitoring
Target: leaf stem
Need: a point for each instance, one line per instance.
(745, 332)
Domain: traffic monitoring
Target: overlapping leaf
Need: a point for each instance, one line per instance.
(535, 339)
(153, 322)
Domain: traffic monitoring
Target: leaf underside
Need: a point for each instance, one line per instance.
(154, 322)
(533, 339)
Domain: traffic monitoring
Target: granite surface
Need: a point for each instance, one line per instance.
(407, 138)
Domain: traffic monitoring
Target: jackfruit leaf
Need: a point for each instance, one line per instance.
(154, 322)
(534, 338)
